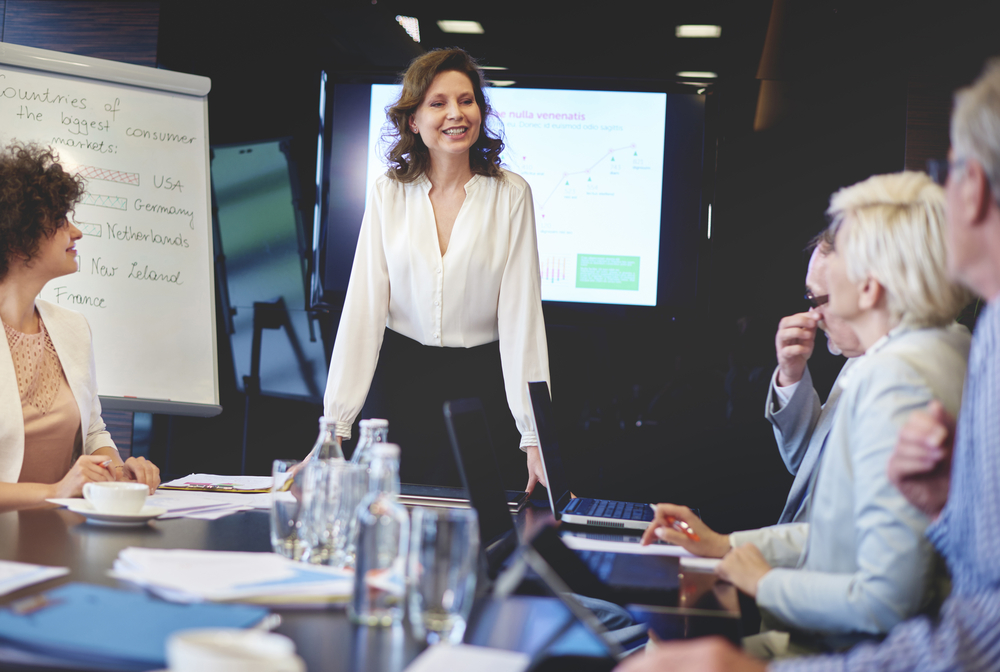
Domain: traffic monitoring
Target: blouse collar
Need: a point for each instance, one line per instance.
(425, 183)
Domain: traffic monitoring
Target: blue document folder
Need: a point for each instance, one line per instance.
(120, 629)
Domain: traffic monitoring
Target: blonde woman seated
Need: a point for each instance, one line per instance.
(52, 437)
(861, 564)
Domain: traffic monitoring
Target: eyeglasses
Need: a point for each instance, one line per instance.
(816, 301)
(938, 169)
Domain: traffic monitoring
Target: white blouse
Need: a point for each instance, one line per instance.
(487, 286)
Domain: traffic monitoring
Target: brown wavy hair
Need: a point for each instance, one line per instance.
(36, 195)
(408, 155)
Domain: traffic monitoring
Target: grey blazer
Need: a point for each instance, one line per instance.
(801, 428)
(866, 564)
(70, 335)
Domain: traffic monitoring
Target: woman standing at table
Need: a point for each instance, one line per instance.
(444, 299)
(52, 437)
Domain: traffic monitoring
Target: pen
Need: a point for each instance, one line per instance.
(679, 525)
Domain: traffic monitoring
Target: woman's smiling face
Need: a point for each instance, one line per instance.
(448, 118)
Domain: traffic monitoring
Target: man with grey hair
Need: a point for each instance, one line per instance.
(952, 475)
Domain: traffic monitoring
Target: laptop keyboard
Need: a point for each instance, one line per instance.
(605, 508)
(599, 562)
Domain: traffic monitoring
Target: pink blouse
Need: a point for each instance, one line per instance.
(52, 430)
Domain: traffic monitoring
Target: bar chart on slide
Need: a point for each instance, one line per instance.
(594, 161)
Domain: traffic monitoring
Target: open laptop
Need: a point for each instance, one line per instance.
(580, 510)
(614, 577)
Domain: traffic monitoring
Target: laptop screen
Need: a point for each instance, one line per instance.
(477, 463)
(548, 446)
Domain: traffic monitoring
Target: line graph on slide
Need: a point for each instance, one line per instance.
(563, 181)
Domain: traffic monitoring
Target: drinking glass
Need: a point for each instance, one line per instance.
(331, 493)
(286, 510)
(441, 576)
(351, 484)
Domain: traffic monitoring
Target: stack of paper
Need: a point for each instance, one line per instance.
(206, 505)
(216, 483)
(17, 575)
(262, 578)
(467, 657)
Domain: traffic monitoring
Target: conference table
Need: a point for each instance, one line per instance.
(325, 639)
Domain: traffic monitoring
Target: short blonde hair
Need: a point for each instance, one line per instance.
(897, 237)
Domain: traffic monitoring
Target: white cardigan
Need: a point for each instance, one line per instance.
(71, 337)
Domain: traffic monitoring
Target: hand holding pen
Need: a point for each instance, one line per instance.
(86, 469)
(678, 525)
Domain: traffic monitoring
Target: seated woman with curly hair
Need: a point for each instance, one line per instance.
(52, 437)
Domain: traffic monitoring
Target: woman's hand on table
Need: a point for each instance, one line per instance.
(744, 567)
(535, 472)
(139, 470)
(132, 470)
(87, 469)
(711, 544)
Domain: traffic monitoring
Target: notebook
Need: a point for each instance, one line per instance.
(114, 629)
(579, 510)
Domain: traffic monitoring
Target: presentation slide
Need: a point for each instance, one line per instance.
(594, 160)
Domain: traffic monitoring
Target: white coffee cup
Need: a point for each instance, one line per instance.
(231, 650)
(115, 497)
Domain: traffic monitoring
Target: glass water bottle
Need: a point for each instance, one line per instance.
(373, 430)
(326, 447)
(383, 539)
(314, 484)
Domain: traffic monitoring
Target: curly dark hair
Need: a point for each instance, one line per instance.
(36, 195)
(408, 156)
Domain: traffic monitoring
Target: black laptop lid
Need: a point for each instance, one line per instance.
(477, 463)
(548, 446)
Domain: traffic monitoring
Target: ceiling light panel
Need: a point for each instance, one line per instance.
(698, 30)
(410, 25)
(463, 27)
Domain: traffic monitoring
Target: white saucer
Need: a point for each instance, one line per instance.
(84, 508)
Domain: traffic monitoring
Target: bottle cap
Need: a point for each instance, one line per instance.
(378, 423)
(385, 450)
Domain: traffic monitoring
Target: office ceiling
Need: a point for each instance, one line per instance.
(636, 39)
(596, 39)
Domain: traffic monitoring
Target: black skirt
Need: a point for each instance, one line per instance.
(411, 384)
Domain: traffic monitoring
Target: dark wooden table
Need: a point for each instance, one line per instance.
(325, 639)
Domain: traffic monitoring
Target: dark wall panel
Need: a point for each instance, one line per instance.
(118, 31)
(928, 112)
